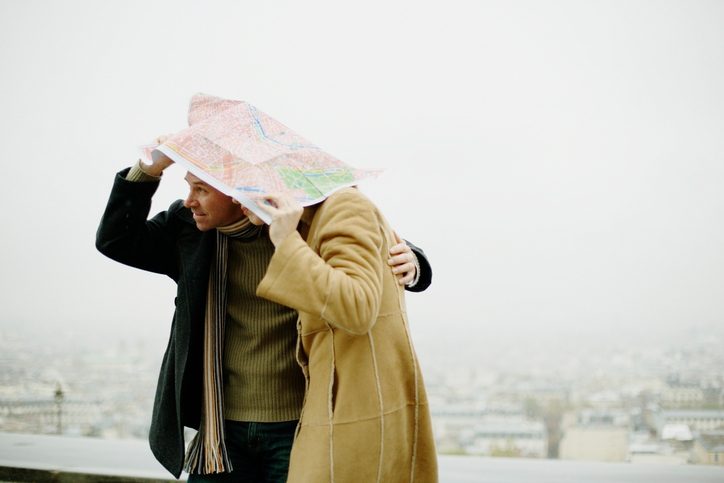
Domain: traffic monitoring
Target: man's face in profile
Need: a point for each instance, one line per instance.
(211, 208)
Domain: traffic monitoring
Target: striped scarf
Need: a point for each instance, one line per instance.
(207, 452)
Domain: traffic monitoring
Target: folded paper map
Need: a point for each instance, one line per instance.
(246, 154)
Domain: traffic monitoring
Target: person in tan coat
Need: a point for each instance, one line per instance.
(365, 417)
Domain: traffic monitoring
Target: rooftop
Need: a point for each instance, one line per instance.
(693, 413)
(713, 441)
(38, 458)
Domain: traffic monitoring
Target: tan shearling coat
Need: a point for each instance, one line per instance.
(366, 415)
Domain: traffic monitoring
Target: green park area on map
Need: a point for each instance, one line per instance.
(316, 182)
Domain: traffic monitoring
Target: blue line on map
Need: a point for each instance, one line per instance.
(255, 115)
(252, 189)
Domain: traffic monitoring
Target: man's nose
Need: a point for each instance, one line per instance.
(189, 201)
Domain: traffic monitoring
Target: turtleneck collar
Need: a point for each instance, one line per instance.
(241, 229)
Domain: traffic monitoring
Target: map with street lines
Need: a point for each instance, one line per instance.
(245, 153)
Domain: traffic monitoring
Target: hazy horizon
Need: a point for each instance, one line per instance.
(561, 163)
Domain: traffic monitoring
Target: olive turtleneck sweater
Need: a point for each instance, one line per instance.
(262, 380)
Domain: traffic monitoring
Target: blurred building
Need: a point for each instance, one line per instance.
(647, 449)
(526, 439)
(596, 435)
(708, 448)
(682, 394)
(695, 419)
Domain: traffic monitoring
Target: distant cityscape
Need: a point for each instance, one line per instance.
(634, 401)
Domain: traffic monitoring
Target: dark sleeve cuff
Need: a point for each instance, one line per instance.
(424, 278)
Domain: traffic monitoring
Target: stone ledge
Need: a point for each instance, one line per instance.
(59, 459)
(43, 458)
(29, 475)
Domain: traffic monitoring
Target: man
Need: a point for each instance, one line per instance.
(217, 258)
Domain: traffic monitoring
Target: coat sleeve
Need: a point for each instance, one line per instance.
(339, 279)
(127, 236)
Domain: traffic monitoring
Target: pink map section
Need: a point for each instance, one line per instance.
(249, 152)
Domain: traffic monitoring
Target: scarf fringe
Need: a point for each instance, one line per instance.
(205, 457)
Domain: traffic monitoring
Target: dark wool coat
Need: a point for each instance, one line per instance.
(170, 244)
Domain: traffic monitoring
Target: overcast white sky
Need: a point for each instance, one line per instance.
(561, 163)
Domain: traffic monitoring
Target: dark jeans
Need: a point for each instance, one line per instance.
(259, 452)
